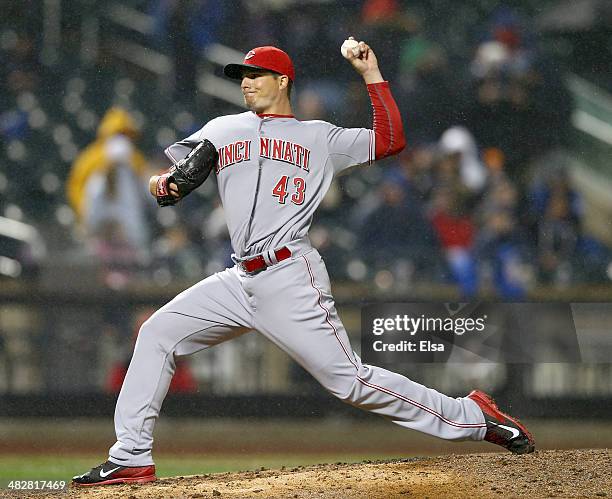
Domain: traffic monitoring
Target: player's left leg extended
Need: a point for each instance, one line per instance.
(210, 312)
(295, 310)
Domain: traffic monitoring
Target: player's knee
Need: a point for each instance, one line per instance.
(148, 334)
(147, 329)
(347, 391)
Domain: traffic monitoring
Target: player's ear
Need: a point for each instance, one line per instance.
(283, 82)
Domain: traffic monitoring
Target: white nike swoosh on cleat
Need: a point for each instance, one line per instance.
(104, 474)
(514, 431)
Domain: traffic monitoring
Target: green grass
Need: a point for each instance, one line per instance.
(48, 467)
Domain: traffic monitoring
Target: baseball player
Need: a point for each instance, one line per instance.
(272, 172)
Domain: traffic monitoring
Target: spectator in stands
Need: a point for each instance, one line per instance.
(455, 231)
(106, 190)
(460, 157)
(396, 228)
(557, 238)
(501, 245)
(555, 211)
(500, 194)
(416, 167)
(553, 181)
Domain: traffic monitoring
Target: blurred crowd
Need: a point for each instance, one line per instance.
(479, 199)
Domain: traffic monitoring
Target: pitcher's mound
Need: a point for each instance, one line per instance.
(572, 473)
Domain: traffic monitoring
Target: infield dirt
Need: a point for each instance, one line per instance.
(549, 473)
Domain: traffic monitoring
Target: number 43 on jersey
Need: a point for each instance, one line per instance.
(281, 190)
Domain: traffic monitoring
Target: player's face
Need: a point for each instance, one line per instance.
(261, 90)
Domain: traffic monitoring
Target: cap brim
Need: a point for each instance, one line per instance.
(235, 71)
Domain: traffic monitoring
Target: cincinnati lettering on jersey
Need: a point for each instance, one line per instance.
(277, 149)
(233, 153)
(283, 150)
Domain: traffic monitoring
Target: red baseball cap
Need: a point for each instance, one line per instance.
(268, 58)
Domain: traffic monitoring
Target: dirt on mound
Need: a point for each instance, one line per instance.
(576, 473)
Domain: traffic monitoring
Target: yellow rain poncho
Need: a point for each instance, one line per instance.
(94, 158)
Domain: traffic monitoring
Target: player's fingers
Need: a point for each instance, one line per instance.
(174, 189)
(153, 184)
(363, 49)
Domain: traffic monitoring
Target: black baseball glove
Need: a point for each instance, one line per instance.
(188, 174)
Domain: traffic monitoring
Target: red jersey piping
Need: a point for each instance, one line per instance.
(272, 115)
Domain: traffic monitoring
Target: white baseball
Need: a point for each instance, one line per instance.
(350, 44)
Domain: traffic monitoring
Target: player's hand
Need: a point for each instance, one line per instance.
(366, 63)
(153, 187)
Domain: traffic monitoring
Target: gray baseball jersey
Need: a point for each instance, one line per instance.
(272, 174)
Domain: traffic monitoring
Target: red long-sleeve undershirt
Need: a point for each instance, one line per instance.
(387, 121)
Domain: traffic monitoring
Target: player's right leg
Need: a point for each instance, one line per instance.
(295, 310)
(210, 312)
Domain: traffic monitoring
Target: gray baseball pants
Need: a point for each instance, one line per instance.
(291, 304)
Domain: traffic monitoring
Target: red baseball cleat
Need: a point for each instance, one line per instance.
(502, 429)
(109, 473)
